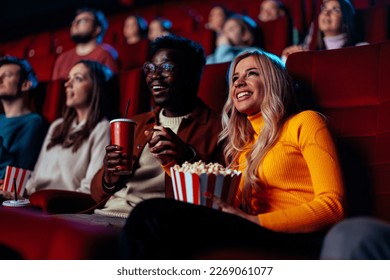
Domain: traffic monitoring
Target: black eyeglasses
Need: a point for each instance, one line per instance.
(165, 68)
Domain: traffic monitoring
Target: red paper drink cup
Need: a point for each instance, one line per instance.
(122, 134)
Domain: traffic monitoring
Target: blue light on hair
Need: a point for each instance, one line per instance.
(108, 74)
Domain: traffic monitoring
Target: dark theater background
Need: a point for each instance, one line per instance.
(21, 17)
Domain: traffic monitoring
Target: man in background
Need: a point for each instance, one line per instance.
(87, 31)
(21, 131)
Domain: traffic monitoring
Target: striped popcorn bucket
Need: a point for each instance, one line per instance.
(190, 187)
(18, 176)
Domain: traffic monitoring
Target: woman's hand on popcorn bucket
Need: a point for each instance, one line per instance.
(230, 209)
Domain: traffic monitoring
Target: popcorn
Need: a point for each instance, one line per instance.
(200, 167)
(191, 180)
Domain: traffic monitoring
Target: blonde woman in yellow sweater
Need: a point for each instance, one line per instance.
(292, 180)
(291, 190)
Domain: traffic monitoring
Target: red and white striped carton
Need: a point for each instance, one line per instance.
(21, 177)
(190, 187)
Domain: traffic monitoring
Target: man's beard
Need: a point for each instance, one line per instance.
(81, 38)
(9, 97)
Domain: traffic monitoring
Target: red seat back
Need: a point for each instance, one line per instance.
(213, 88)
(276, 35)
(351, 87)
(62, 41)
(373, 23)
(17, 48)
(132, 86)
(54, 100)
(41, 44)
(132, 56)
(43, 66)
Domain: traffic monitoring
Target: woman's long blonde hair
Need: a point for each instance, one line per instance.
(277, 105)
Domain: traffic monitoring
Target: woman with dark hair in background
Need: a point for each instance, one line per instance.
(135, 29)
(335, 29)
(72, 151)
(134, 45)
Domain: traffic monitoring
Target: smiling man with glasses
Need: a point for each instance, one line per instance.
(181, 128)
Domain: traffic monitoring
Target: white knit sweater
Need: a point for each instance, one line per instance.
(60, 168)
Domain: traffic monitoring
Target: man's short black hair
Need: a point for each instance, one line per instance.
(100, 20)
(26, 71)
(194, 54)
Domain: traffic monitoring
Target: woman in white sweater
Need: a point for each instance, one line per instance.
(73, 149)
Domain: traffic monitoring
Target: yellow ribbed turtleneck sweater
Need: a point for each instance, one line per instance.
(303, 189)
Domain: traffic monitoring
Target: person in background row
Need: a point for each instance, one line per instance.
(159, 27)
(87, 31)
(21, 131)
(181, 128)
(217, 17)
(239, 33)
(271, 10)
(291, 189)
(133, 50)
(335, 29)
(71, 153)
(135, 29)
(358, 238)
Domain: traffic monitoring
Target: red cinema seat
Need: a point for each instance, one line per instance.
(134, 55)
(54, 100)
(43, 66)
(362, 4)
(213, 88)
(42, 44)
(373, 23)
(296, 10)
(114, 32)
(351, 87)
(61, 201)
(17, 48)
(133, 87)
(180, 15)
(276, 35)
(35, 236)
(62, 40)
